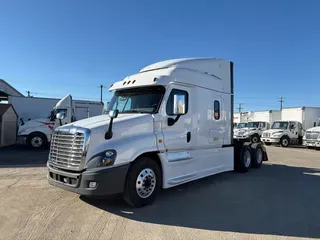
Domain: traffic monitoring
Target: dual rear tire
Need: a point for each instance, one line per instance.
(250, 156)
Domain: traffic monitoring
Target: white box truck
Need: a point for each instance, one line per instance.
(311, 138)
(291, 128)
(258, 122)
(37, 132)
(29, 108)
(169, 124)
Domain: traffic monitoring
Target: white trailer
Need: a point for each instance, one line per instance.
(37, 132)
(29, 108)
(169, 124)
(291, 129)
(268, 116)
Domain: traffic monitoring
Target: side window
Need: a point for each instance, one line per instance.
(177, 102)
(263, 125)
(216, 110)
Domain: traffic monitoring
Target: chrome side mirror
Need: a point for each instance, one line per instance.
(113, 113)
(179, 104)
(60, 115)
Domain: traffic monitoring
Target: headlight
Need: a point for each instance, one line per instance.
(276, 135)
(103, 159)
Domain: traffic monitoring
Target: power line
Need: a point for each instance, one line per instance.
(281, 101)
(240, 107)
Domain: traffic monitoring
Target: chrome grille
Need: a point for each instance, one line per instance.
(67, 149)
(312, 135)
(266, 134)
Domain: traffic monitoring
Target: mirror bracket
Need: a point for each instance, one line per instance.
(172, 121)
(112, 114)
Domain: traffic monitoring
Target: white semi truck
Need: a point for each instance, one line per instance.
(311, 138)
(258, 122)
(169, 124)
(291, 128)
(37, 132)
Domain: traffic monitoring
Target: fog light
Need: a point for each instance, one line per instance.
(92, 184)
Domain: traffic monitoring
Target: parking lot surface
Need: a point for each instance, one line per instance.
(279, 201)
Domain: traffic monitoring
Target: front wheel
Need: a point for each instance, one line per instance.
(37, 140)
(284, 141)
(255, 138)
(143, 182)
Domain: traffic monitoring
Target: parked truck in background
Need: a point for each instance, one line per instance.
(37, 132)
(252, 132)
(291, 128)
(259, 122)
(169, 124)
(311, 138)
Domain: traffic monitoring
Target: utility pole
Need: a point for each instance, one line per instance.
(240, 107)
(101, 87)
(281, 101)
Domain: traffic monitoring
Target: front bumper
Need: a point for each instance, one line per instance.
(270, 140)
(22, 139)
(246, 137)
(109, 181)
(311, 143)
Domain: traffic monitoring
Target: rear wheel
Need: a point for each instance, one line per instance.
(143, 182)
(258, 155)
(37, 140)
(284, 141)
(244, 162)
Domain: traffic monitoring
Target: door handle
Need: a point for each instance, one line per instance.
(188, 136)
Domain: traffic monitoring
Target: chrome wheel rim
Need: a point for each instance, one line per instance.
(254, 139)
(146, 183)
(259, 156)
(285, 142)
(247, 158)
(36, 141)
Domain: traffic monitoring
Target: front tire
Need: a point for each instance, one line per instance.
(143, 182)
(284, 141)
(255, 138)
(37, 140)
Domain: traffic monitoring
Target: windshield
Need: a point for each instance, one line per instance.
(280, 125)
(137, 100)
(253, 125)
(242, 125)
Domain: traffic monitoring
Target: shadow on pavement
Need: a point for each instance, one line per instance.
(23, 156)
(274, 200)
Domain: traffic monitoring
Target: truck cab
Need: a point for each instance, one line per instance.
(251, 131)
(311, 138)
(283, 133)
(169, 124)
(37, 132)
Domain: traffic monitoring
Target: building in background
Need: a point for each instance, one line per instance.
(8, 125)
(7, 90)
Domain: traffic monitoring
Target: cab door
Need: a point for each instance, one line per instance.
(177, 126)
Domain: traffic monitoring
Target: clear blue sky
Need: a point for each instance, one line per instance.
(66, 46)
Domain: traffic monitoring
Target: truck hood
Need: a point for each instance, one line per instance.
(273, 131)
(39, 122)
(102, 121)
(314, 129)
(243, 130)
